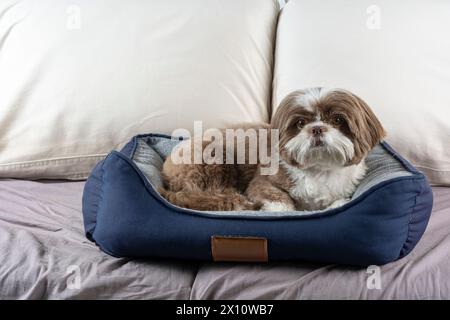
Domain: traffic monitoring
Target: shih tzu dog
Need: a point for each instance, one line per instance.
(324, 138)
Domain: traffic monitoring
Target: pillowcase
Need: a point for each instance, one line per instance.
(395, 55)
(78, 79)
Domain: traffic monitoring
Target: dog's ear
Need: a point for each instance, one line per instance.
(364, 126)
(283, 113)
(283, 117)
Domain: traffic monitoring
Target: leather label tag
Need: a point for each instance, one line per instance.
(232, 248)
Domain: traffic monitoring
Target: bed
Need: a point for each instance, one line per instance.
(44, 254)
(94, 80)
(124, 215)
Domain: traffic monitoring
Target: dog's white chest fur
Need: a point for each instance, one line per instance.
(315, 189)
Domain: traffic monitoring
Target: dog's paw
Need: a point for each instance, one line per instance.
(338, 203)
(277, 206)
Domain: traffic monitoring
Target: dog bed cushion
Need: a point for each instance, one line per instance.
(126, 216)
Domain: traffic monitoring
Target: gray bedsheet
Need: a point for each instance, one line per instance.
(44, 254)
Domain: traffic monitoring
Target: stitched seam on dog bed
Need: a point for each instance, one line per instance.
(133, 147)
(405, 163)
(411, 217)
(102, 170)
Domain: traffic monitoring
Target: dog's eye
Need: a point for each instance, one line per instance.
(301, 123)
(338, 120)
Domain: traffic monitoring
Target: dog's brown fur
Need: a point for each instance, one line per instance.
(217, 187)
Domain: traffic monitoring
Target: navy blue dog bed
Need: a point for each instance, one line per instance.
(126, 217)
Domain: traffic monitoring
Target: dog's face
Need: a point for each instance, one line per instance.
(325, 128)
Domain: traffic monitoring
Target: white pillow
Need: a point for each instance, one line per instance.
(395, 55)
(79, 78)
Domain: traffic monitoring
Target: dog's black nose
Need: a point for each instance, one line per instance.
(317, 130)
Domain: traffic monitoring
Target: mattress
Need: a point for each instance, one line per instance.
(45, 255)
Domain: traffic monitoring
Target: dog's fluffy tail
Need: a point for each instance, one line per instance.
(209, 200)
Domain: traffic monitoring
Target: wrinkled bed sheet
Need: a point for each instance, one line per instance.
(44, 254)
